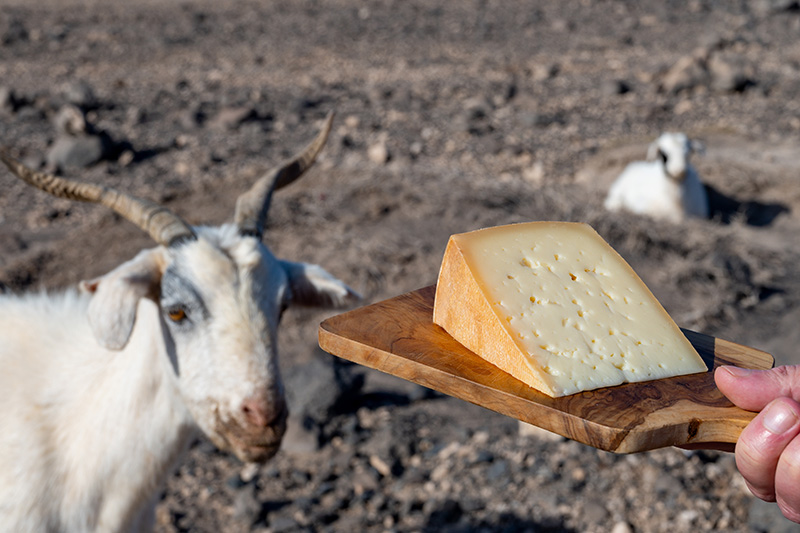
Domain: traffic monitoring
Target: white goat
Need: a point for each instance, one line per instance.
(666, 186)
(102, 388)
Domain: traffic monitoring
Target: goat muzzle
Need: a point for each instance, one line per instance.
(254, 437)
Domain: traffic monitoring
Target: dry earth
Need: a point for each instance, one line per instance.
(450, 116)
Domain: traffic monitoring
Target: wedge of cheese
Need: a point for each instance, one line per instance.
(555, 306)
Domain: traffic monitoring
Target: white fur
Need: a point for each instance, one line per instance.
(666, 190)
(91, 420)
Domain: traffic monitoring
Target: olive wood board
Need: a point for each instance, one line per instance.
(398, 336)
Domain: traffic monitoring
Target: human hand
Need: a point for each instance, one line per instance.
(768, 450)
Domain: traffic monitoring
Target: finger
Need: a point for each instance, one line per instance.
(787, 481)
(753, 389)
(763, 441)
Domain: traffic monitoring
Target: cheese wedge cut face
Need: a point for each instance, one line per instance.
(555, 306)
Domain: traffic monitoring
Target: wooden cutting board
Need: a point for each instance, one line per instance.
(397, 336)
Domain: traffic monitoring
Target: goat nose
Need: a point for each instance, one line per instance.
(261, 412)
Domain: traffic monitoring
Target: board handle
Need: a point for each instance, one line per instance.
(721, 434)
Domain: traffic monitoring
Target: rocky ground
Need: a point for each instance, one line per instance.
(450, 116)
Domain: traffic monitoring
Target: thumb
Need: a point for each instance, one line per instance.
(754, 389)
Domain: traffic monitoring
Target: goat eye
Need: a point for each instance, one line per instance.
(662, 156)
(176, 314)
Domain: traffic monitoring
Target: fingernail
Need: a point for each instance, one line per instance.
(738, 372)
(779, 418)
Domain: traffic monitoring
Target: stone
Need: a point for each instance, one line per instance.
(70, 120)
(378, 152)
(380, 465)
(231, 118)
(246, 507)
(282, 524)
(249, 472)
(81, 94)
(686, 74)
(301, 437)
(594, 512)
(621, 527)
(76, 152)
(728, 73)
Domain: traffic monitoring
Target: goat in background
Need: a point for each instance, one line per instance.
(666, 186)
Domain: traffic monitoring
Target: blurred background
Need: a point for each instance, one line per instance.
(450, 116)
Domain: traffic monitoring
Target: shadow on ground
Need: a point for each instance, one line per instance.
(726, 208)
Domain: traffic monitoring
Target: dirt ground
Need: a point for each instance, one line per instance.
(450, 116)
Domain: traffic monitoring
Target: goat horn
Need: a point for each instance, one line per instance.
(164, 227)
(252, 206)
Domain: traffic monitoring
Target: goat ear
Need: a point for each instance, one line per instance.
(116, 295)
(311, 285)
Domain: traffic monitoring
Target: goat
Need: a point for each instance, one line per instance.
(666, 186)
(104, 386)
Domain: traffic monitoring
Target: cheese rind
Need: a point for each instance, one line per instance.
(552, 304)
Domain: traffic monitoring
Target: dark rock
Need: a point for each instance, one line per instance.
(13, 31)
(442, 513)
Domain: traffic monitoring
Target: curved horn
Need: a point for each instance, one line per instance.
(164, 227)
(252, 206)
